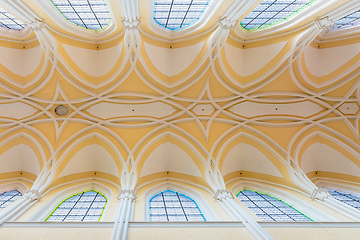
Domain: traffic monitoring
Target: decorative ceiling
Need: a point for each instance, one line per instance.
(207, 103)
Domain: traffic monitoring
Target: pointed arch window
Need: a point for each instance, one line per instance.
(272, 11)
(175, 14)
(349, 20)
(85, 206)
(8, 20)
(171, 206)
(90, 14)
(347, 198)
(6, 198)
(271, 209)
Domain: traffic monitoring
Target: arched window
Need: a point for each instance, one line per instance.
(346, 198)
(7, 20)
(173, 206)
(271, 209)
(349, 20)
(90, 14)
(174, 14)
(6, 198)
(271, 11)
(85, 206)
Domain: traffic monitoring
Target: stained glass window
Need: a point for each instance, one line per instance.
(174, 14)
(348, 20)
(346, 198)
(90, 14)
(7, 20)
(271, 11)
(173, 206)
(6, 198)
(270, 209)
(85, 206)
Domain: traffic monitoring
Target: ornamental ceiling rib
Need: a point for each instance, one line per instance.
(175, 14)
(90, 14)
(272, 11)
(8, 20)
(347, 21)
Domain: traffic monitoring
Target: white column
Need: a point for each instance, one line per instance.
(123, 214)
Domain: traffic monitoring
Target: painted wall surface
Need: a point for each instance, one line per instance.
(54, 233)
(314, 233)
(188, 233)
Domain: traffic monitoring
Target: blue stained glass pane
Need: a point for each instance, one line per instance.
(174, 206)
(90, 14)
(6, 198)
(7, 20)
(175, 14)
(270, 209)
(347, 198)
(85, 206)
(272, 11)
(349, 20)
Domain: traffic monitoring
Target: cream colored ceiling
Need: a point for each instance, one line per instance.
(277, 104)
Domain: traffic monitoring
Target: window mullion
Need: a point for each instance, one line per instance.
(89, 207)
(73, 207)
(167, 217)
(182, 207)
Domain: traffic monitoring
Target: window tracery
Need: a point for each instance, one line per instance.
(85, 206)
(173, 206)
(8, 20)
(6, 198)
(272, 11)
(175, 14)
(347, 198)
(271, 209)
(90, 14)
(347, 21)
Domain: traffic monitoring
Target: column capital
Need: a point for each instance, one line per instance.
(131, 24)
(32, 194)
(227, 24)
(36, 25)
(127, 194)
(324, 23)
(320, 194)
(223, 194)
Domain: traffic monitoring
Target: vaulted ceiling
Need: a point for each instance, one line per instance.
(206, 103)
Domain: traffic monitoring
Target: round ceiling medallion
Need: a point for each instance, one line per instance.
(61, 110)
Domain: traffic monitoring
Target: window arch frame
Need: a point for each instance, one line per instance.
(180, 201)
(157, 28)
(342, 191)
(84, 25)
(52, 203)
(18, 34)
(196, 196)
(264, 25)
(50, 9)
(342, 208)
(64, 201)
(338, 14)
(282, 25)
(270, 215)
(300, 205)
(2, 191)
(14, 186)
